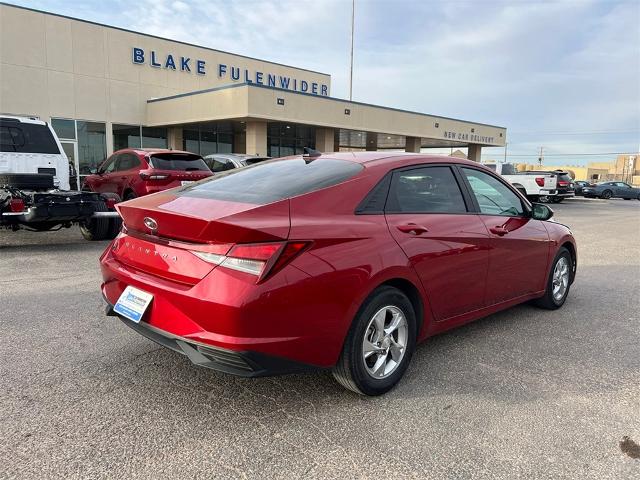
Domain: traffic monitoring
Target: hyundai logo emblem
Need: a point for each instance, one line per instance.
(151, 224)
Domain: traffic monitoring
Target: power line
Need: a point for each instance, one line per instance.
(563, 154)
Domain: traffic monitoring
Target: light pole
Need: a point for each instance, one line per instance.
(353, 18)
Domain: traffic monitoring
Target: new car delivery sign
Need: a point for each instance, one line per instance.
(234, 73)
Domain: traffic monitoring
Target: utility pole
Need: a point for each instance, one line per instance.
(505, 151)
(353, 23)
(541, 156)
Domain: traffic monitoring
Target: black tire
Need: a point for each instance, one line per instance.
(350, 370)
(627, 199)
(96, 228)
(115, 224)
(606, 194)
(548, 301)
(557, 199)
(544, 199)
(27, 181)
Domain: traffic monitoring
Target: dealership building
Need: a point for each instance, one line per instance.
(105, 88)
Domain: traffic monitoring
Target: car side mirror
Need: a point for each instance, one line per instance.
(541, 212)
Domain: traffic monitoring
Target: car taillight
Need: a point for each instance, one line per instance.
(540, 181)
(110, 203)
(562, 183)
(147, 176)
(258, 259)
(16, 205)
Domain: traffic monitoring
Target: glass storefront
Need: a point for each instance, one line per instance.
(285, 139)
(208, 138)
(85, 144)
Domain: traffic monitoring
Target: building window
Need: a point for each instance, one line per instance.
(125, 136)
(154, 137)
(135, 136)
(208, 138)
(191, 140)
(65, 129)
(92, 145)
(285, 139)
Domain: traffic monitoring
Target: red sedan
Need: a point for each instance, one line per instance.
(135, 172)
(340, 261)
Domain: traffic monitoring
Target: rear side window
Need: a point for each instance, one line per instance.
(425, 190)
(26, 138)
(177, 161)
(252, 161)
(127, 161)
(274, 180)
(219, 164)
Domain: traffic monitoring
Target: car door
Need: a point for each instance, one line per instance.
(101, 180)
(126, 174)
(519, 244)
(623, 190)
(445, 243)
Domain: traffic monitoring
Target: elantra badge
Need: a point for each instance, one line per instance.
(151, 224)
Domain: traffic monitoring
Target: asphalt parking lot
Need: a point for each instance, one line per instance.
(522, 394)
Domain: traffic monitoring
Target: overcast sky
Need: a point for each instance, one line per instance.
(563, 75)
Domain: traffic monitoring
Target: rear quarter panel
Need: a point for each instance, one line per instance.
(351, 255)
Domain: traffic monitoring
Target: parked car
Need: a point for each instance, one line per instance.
(221, 162)
(35, 190)
(611, 190)
(338, 260)
(578, 185)
(133, 172)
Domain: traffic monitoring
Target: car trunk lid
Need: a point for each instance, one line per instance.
(164, 231)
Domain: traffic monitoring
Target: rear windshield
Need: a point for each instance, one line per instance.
(177, 161)
(26, 138)
(274, 180)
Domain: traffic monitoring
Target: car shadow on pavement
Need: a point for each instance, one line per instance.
(517, 355)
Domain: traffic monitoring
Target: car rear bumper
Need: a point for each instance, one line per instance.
(240, 363)
(227, 310)
(557, 193)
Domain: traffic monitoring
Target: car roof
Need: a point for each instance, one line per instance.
(16, 118)
(397, 159)
(151, 151)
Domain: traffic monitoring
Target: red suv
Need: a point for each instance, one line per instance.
(132, 173)
(337, 260)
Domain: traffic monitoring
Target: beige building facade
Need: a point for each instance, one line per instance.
(104, 88)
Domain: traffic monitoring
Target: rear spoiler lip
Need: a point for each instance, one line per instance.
(177, 243)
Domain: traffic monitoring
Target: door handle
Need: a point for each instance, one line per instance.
(412, 228)
(500, 230)
(123, 178)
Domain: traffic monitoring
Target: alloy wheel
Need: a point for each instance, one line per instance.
(560, 281)
(385, 342)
